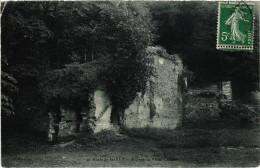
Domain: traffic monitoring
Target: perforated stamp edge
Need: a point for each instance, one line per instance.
(234, 47)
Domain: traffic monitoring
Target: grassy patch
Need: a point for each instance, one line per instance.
(193, 138)
(204, 147)
(214, 156)
(183, 147)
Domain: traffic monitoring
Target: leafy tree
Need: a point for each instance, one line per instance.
(113, 36)
(24, 38)
(67, 48)
(8, 90)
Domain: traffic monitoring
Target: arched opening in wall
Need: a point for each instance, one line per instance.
(73, 121)
(67, 121)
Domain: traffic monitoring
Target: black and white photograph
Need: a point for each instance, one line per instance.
(130, 83)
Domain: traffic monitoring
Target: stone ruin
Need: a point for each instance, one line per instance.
(159, 107)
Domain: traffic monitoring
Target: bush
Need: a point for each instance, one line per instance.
(207, 95)
(235, 112)
(201, 109)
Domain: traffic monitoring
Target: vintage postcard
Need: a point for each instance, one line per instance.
(130, 84)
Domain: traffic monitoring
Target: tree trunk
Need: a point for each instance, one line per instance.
(115, 116)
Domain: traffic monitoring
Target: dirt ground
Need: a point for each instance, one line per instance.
(26, 150)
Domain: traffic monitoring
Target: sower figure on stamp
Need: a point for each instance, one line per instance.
(233, 20)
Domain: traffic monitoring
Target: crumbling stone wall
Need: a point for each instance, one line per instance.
(93, 117)
(202, 104)
(70, 120)
(160, 106)
(226, 89)
(102, 111)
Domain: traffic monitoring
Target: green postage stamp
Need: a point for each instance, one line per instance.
(235, 26)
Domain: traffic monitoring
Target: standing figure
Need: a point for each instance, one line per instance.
(233, 20)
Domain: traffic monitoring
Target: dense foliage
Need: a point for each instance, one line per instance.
(239, 113)
(8, 90)
(60, 51)
(189, 28)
